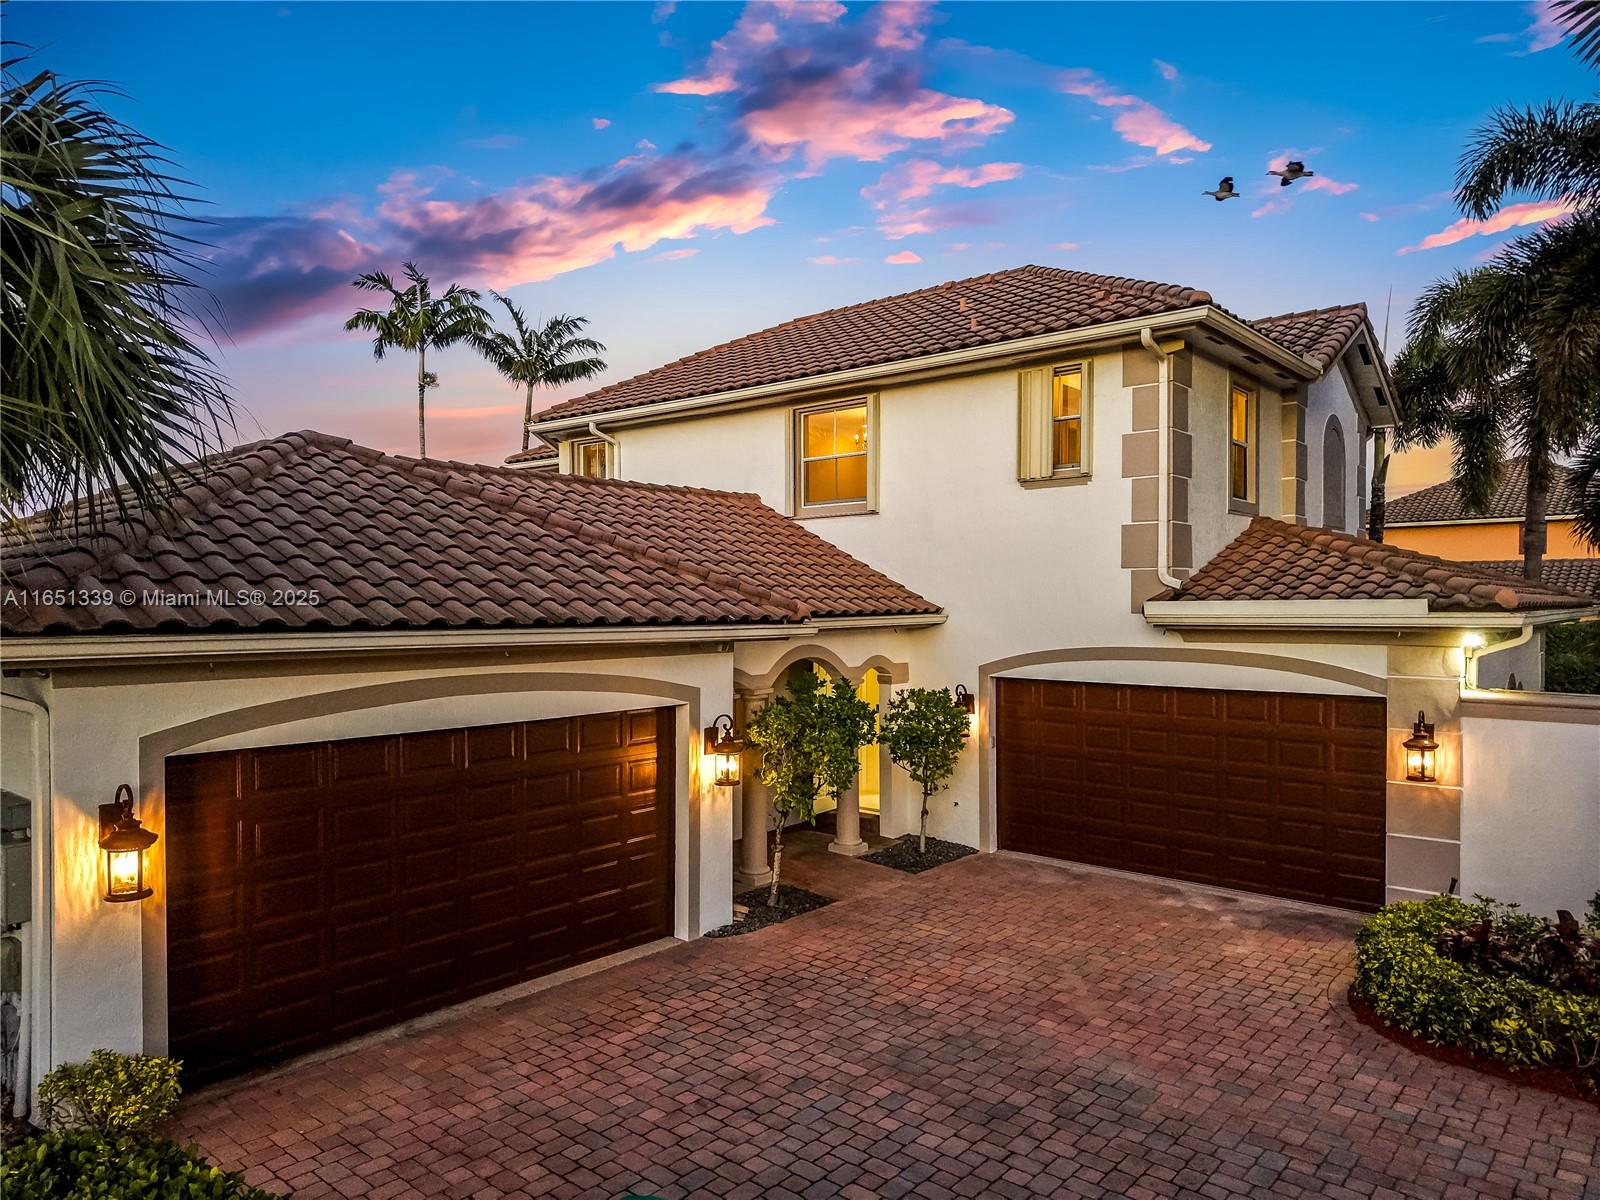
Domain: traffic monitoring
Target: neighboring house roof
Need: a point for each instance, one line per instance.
(1317, 335)
(1273, 560)
(400, 543)
(542, 452)
(1574, 574)
(981, 311)
(1442, 503)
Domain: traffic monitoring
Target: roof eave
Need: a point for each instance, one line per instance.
(1016, 348)
(1390, 615)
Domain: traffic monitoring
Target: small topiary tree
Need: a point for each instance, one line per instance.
(111, 1093)
(810, 740)
(925, 730)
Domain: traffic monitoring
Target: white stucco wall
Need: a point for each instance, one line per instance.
(1019, 570)
(1530, 808)
(108, 984)
(1329, 397)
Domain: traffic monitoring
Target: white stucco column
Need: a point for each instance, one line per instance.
(751, 796)
(847, 836)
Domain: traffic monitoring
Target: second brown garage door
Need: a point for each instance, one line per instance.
(1261, 791)
(321, 890)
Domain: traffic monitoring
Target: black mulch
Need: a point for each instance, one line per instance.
(901, 854)
(792, 902)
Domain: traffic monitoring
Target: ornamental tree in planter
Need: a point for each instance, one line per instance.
(810, 740)
(925, 730)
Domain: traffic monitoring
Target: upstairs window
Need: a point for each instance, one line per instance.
(592, 459)
(1066, 422)
(1241, 445)
(832, 471)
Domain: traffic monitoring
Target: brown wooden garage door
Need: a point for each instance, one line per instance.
(1260, 791)
(321, 890)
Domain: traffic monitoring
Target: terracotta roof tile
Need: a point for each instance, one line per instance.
(394, 542)
(1442, 502)
(1317, 335)
(540, 451)
(1574, 574)
(981, 311)
(1273, 560)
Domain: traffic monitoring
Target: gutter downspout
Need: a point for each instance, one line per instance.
(615, 456)
(1474, 655)
(1163, 459)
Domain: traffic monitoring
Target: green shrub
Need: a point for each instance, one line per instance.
(79, 1164)
(111, 1093)
(1572, 658)
(1413, 987)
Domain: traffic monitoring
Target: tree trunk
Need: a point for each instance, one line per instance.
(422, 391)
(1375, 502)
(527, 416)
(922, 833)
(1534, 532)
(777, 862)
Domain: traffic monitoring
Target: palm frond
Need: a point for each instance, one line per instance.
(1547, 153)
(107, 394)
(1582, 19)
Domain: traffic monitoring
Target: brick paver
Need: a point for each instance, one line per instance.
(996, 1027)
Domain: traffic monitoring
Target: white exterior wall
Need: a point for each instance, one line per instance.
(1327, 397)
(109, 976)
(1530, 810)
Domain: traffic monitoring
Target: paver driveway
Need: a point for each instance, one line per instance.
(996, 1027)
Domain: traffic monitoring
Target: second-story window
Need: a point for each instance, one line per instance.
(592, 459)
(1066, 421)
(831, 473)
(1241, 445)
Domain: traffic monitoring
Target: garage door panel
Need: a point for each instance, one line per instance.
(1278, 793)
(336, 887)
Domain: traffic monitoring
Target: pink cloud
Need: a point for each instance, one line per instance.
(1372, 217)
(1281, 199)
(812, 85)
(1546, 30)
(675, 255)
(272, 272)
(1513, 216)
(903, 257)
(831, 260)
(1137, 120)
(1068, 246)
(1168, 71)
(601, 122)
(919, 176)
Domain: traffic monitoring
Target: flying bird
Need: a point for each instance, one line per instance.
(1292, 170)
(1224, 190)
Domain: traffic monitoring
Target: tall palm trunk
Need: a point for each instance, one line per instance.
(422, 392)
(1534, 530)
(527, 416)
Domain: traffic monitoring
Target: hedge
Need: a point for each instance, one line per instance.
(1412, 987)
(80, 1164)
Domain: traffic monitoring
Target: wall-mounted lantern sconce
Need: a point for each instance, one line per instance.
(724, 749)
(124, 842)
(969, 705)
(1420, 750)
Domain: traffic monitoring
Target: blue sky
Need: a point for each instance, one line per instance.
(684, 174)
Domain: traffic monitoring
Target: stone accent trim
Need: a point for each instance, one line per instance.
(1423, 821)
(1141, 464)
(1293, 457)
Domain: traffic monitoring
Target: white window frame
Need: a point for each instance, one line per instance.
(1036, 425)
(575, 448)
(840, 508)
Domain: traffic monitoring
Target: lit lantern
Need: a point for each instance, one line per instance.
(1420, 750)
(969, 705)
(724, 750)
(124, 842)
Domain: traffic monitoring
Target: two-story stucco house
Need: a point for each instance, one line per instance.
(409, 731)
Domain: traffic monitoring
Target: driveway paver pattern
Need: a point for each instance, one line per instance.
(996, 1027)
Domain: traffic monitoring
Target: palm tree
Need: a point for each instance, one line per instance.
(417, 321)
(1488, 367)
(1582, 19)
(103, 384)
(546, 356)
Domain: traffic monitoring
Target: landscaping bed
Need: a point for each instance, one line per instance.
(1507, 986)
(902, 854)
(792, 902)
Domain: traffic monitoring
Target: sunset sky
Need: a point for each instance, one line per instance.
(683, 174)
